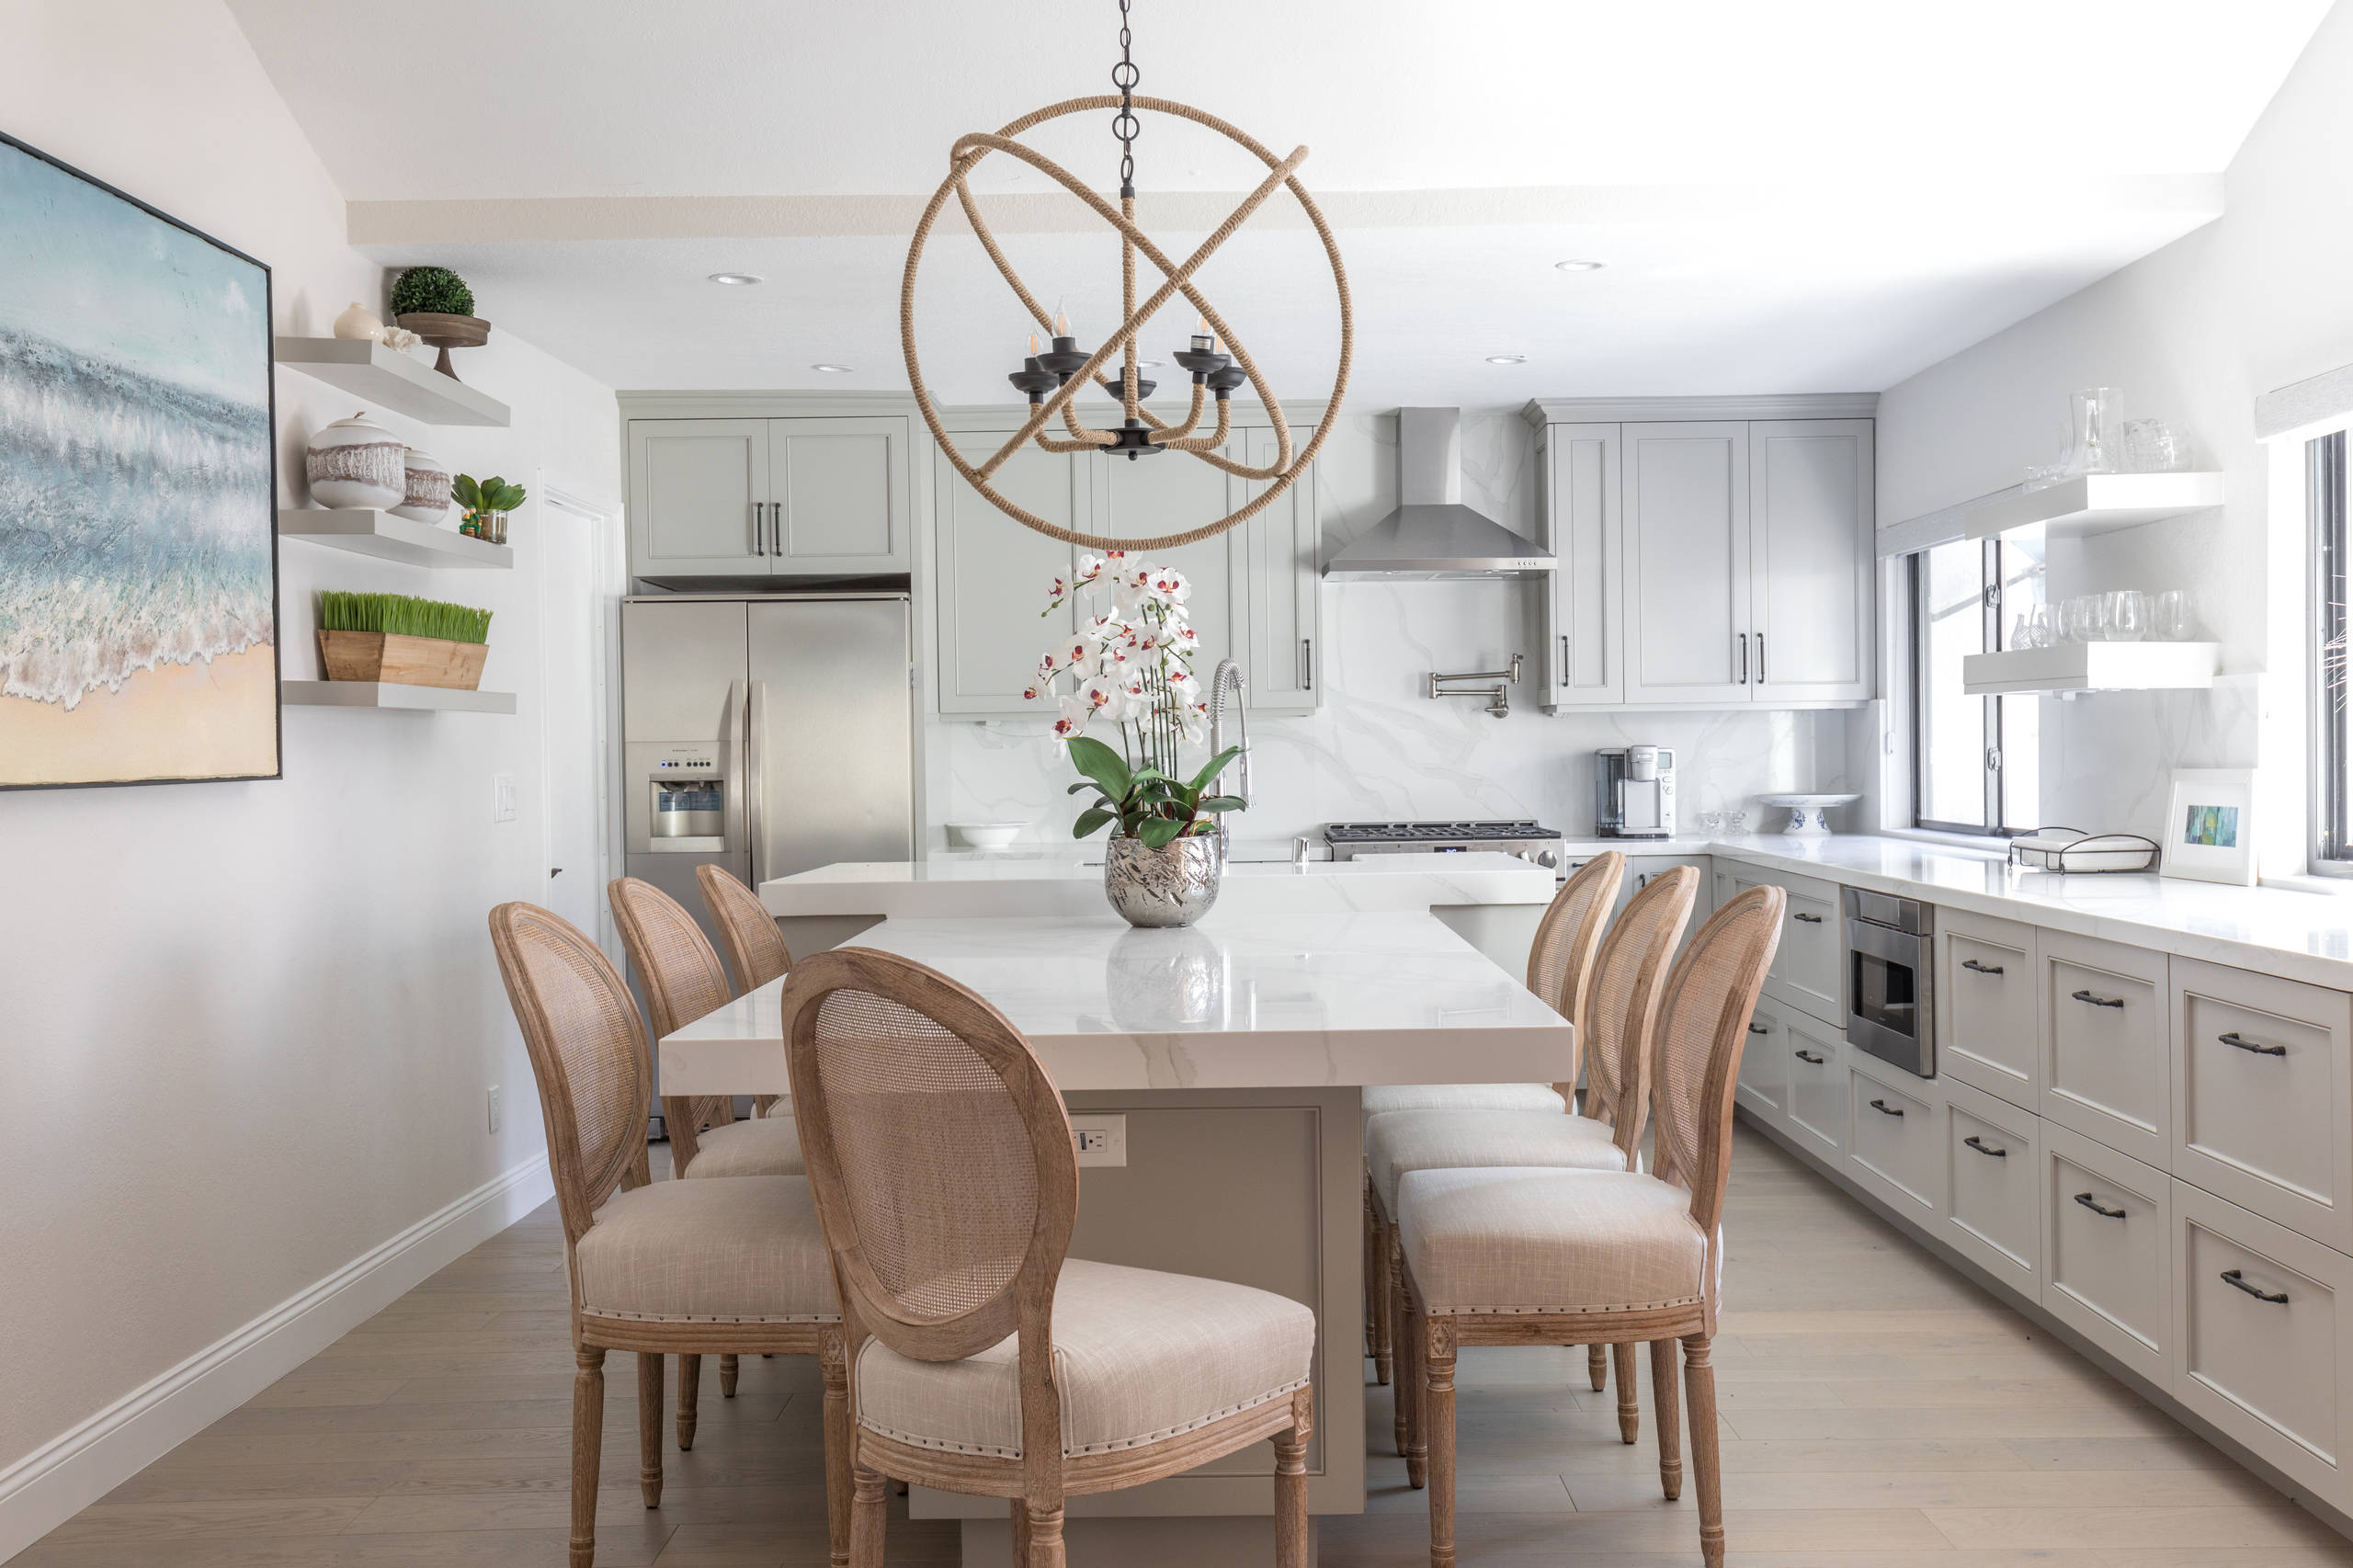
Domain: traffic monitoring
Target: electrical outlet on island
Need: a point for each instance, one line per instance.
(1102, 1139)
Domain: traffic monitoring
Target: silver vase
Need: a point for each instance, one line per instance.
(1175, 885)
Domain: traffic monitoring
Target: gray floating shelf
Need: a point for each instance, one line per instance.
(383, 694)
(368, 369)
(366, 531)
(2096, 503)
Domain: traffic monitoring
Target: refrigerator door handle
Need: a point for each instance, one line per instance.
(755, 731)
(733, 725)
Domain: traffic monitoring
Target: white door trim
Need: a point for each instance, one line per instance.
(609, 564)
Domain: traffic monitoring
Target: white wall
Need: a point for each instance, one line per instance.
(1379, 749)
(2190, 334)
(246, 1029)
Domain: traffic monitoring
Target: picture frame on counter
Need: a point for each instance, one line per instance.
(2210, 826)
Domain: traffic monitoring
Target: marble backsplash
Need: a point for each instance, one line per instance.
(1379, 749)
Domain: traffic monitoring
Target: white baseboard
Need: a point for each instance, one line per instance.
(69, 1471)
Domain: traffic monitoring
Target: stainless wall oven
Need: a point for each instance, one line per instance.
(1890, 973)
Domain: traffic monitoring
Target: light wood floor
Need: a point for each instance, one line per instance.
(1877, 1411)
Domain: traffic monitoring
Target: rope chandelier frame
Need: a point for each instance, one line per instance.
(1053, 379)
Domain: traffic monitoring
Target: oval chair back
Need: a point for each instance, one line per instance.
(1560, 961)
(755, 949)
(1621, 1004)
(682, 979)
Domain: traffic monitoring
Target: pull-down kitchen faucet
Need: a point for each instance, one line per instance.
(1228, 672)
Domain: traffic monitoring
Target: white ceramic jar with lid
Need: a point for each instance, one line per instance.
(353, 462)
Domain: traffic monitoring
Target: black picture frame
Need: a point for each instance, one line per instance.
(268, 521)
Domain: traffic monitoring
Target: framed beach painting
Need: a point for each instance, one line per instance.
(2210, 825)
(138, 491)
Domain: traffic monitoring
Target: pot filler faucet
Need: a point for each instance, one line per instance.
(1227, 674)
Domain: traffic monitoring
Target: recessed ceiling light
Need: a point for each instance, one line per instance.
(1580, 265)
(1506, 358)
(832, 370)
(735, 279)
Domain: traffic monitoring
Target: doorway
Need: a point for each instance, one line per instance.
(582, 561)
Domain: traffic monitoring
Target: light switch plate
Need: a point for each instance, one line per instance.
(502, 797)
(1102, 1139)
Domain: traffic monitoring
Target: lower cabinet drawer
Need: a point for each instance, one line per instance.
(2262, 1347)
(2105, 1037)
(2106, 1249)
(1895, 1147)
(1993, 1183)
(1818, 1110)
(1763, 1084)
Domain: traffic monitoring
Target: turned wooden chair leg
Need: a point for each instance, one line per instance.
(832, 1367)
(1413, 1395)
(587, 1452)
(1596, 1365)
(1668, 1418)
(1699, 1387)
(1372, 1274)
(1436, 1418)
(869, 1515)
(1630, 1414)
(650, 1365)
(1290, 1498)
(727, 1376)
(1384, 1303)
(689, 1391)
(1046, 1538)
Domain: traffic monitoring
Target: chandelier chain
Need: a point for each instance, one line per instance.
(1124, 77)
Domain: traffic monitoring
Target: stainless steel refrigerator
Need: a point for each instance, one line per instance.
(765, 735)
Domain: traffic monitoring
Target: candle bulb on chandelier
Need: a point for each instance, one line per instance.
(1204, 342)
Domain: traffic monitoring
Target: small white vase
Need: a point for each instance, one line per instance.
(355, 463)
(360, 322)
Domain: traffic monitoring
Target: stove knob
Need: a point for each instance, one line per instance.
(1547, 857)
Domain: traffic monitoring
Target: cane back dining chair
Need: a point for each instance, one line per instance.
(755, 949)
(1559, 962)
(985, 1361)
(684, 1267)
(1534, 1256)
(1619, 1006)
(682, 981)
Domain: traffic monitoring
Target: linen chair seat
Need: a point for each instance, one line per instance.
(1138, 1356)
(1522, 1241)
(768, 1146)
(1381, 1098)
(1449, 1140)
(747, 1250)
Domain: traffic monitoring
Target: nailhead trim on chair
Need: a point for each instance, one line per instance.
(1136, 1442)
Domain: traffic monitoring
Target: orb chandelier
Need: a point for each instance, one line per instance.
(1215, 357)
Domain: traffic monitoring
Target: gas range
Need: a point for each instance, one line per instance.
(1537, 846)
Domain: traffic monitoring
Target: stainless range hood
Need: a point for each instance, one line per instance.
(1432, 534)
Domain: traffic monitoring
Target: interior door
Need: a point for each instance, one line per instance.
(831, 735)
(1810, 559)
(1686, 563)
(695, 489)
(575, 770)
(992, 574)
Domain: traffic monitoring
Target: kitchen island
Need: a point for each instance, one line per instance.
(1222, 1066)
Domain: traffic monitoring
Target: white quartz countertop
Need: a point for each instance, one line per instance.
(1069, 881)
(2301, 936)
(1239, 1001)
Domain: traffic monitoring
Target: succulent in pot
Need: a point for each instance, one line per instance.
(486, 504)
(1129, 665)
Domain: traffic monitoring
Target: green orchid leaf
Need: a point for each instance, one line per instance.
(1223, 803)
(1093, 818)
(1160, 832)
(1101, 764)
(1084, 784)
(1214, 766)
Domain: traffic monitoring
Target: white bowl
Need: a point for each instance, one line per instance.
(986, 834)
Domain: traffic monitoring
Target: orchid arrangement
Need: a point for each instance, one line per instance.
(1129, 663)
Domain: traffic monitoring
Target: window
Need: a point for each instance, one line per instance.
(1975, 758)
(2325, 501)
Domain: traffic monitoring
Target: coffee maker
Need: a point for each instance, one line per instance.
(1633, 792)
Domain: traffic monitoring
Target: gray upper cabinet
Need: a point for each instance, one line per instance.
(770, 498)
(1169, 494)
(992, 572)
(1714, 564)
(1281, 543)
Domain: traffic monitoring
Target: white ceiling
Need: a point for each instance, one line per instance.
(1808, 197)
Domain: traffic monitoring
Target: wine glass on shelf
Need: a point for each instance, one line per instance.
(2170, 620)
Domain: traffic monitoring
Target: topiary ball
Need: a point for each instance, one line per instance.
(432, 289)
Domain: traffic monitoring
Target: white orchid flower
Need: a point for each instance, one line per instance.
(1170, 584)
(1074, 719)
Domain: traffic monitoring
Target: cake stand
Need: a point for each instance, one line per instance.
(1806, 819)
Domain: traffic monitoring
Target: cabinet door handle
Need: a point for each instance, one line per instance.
(1996, 1153)
(1759, 1028)
(1975, 967)
(2233, 1040)
(1810, 1059)
(1743, 636)
(1760, 658)
(776, 528)
(1564, 659)
(759, 527)
(2097, 1207)
(1307, 664)
(1808, 919)
(1886, 1109)
(2276, 1298)
(2099, 1001)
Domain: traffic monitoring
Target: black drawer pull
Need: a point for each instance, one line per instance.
(1808, 919)
(2099, 1001)
(1997, 1154)
(1759, 1028)
(2097, 1207)
(1886, 1109)
(2276, 1298)
(2232, 1038)
(1810, 1059)
(1973, 965)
